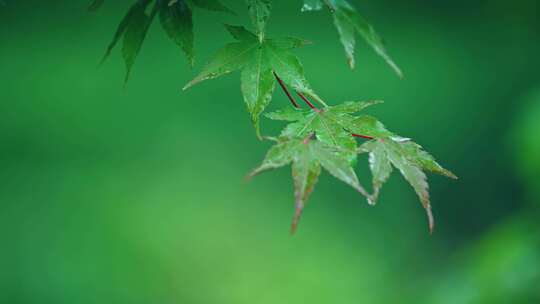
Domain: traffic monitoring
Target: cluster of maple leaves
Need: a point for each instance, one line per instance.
(319, 137)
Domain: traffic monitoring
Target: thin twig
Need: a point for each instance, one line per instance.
(317, 99)
(284, 88)
(303, 97)
(362, 136)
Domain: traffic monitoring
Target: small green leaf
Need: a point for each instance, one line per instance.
(259, 11)
(423, 159)
(134, 37)
(176, 20)
(133, 14)
(409, 159)
(212, 5)
(413, 174)
(381, 169)
(305, 173)
(371, 37)
(347, 32)
(312, 5)
(349, 23)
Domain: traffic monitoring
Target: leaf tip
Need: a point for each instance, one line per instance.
(431, 220)
(253, 173)
(187, 86)
(193, 82)
(451, 175)
(296, 219)
(249, 176)
(350, 62)
(397, 70)
(127, 77)
(104, 58)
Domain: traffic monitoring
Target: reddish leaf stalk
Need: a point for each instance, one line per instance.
(362, 136)
(309, 103)
(306, 101)
(284, 88)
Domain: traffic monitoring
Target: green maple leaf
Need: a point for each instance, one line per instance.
(175, 18)
(349, 23)
(331, 125)
(132, 29)
(307, 156)
(258, 60)
(410, 159)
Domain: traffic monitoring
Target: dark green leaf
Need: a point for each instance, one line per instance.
(348, 23)
(133, 15)
(371, 37)
(135, 35)
(176, 20)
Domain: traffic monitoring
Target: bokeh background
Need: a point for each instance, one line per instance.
(113, 194)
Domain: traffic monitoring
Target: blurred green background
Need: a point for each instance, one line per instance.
(136, 195)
